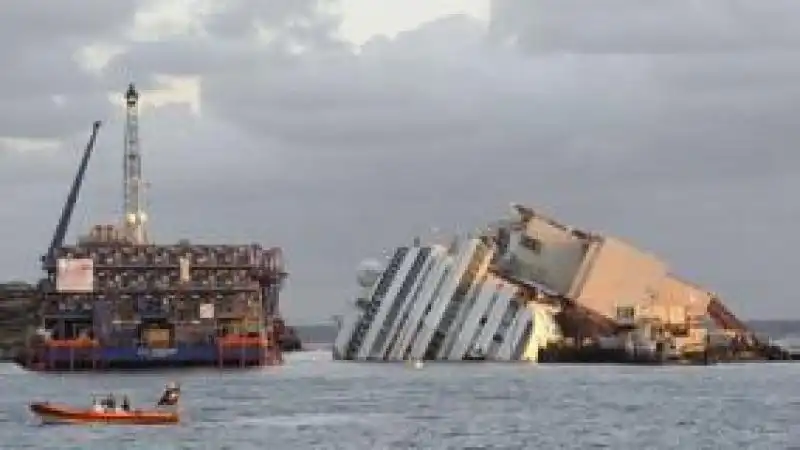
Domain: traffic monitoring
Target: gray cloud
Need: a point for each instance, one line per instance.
(304, 20)
(36, 22)
(237, 36)
(44, 92)
(624, 26)
(667, 126)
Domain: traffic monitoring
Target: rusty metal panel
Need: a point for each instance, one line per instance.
(725, 318)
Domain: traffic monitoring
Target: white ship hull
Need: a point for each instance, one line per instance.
(434, 303)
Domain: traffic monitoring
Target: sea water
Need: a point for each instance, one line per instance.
(314, 403)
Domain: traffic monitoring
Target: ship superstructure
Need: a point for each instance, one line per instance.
(117, 300)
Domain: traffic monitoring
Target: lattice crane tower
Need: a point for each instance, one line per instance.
(135, 216)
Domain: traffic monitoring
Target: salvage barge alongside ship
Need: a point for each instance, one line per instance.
(532, 289)
(116, 300)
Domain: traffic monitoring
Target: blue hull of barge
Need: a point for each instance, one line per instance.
(207, 355)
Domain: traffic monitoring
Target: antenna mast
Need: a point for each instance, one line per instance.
(135, 216)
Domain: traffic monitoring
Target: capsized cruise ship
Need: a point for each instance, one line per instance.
(529, 288)
(445, 303)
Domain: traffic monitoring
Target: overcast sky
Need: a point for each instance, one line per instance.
(338, 131)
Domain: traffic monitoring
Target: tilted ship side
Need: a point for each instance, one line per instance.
(437, 302)
(116, 300)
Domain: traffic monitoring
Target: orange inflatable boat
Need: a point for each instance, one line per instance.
(50, 413)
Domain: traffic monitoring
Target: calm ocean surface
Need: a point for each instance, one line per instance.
(315, 403)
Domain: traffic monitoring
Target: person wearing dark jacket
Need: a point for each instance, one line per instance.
(110, 402)
(170, 396)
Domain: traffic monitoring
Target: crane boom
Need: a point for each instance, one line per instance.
(72, 198)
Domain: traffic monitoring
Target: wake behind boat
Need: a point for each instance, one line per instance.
(107, 412)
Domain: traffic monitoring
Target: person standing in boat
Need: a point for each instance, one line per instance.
(109, 402)
(171, 395)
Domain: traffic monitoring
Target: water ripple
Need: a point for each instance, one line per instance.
(315, 403)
